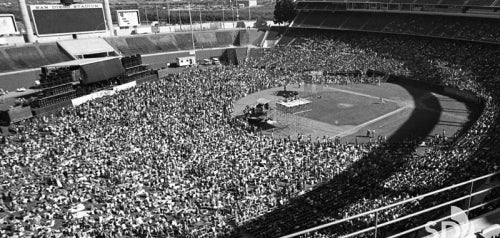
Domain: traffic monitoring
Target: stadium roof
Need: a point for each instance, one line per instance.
(80, 62)
(86, 46)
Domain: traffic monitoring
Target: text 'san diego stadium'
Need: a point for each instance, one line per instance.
(340, 118)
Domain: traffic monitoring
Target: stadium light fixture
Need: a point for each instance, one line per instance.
(191, 23)
(27, 22)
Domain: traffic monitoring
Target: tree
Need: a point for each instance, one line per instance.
(260, 24)
(278, 12)
(240, 24)
(289, 11)
(284, 11)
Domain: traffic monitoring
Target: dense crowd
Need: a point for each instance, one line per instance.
(468, 66)
(456, 27)
(161, 159)
(167, 159)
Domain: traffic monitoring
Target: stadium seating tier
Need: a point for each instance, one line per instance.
(457, 27)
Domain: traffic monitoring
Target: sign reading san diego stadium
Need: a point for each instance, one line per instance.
(59, 19)
(72, 6)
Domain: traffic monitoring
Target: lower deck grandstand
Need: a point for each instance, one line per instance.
(457, 27)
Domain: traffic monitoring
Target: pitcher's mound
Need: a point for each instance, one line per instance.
(345, 105)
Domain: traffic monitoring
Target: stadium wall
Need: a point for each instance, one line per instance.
(171, 42)
(158, 61)
(12, 40)
(30, 56)
(24, 79)
(49, 39)
(20, 65)
(147, 28)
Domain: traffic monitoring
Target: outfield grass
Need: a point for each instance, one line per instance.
(349, 111)
(339, 108)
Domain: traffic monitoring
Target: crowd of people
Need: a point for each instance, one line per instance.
(457, 27)
(168, 159)
(468, 66)
(162, 159)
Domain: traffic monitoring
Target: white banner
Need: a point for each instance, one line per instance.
(83, 99)
(125, 86)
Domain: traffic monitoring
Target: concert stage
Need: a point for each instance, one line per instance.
(294, 106)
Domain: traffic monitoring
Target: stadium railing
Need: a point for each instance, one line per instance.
(375, 228)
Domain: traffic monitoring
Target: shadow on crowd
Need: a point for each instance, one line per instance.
(366, 180)
(363, 180)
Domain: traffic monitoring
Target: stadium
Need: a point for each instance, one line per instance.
(339, 118)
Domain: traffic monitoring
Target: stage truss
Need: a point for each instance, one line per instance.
(290, 113)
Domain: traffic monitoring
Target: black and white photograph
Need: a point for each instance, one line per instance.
(250, 118)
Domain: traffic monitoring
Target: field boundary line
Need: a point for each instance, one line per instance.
(358, 127)
(362, 94)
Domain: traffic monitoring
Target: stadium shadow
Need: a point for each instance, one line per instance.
(363, 180)
(421, 121)
(474, 111)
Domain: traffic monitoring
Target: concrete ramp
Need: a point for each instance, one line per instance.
(255, 36)
(241, 55)
(243, 38)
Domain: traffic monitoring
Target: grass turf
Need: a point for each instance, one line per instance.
(339, 108)
(425, 113)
